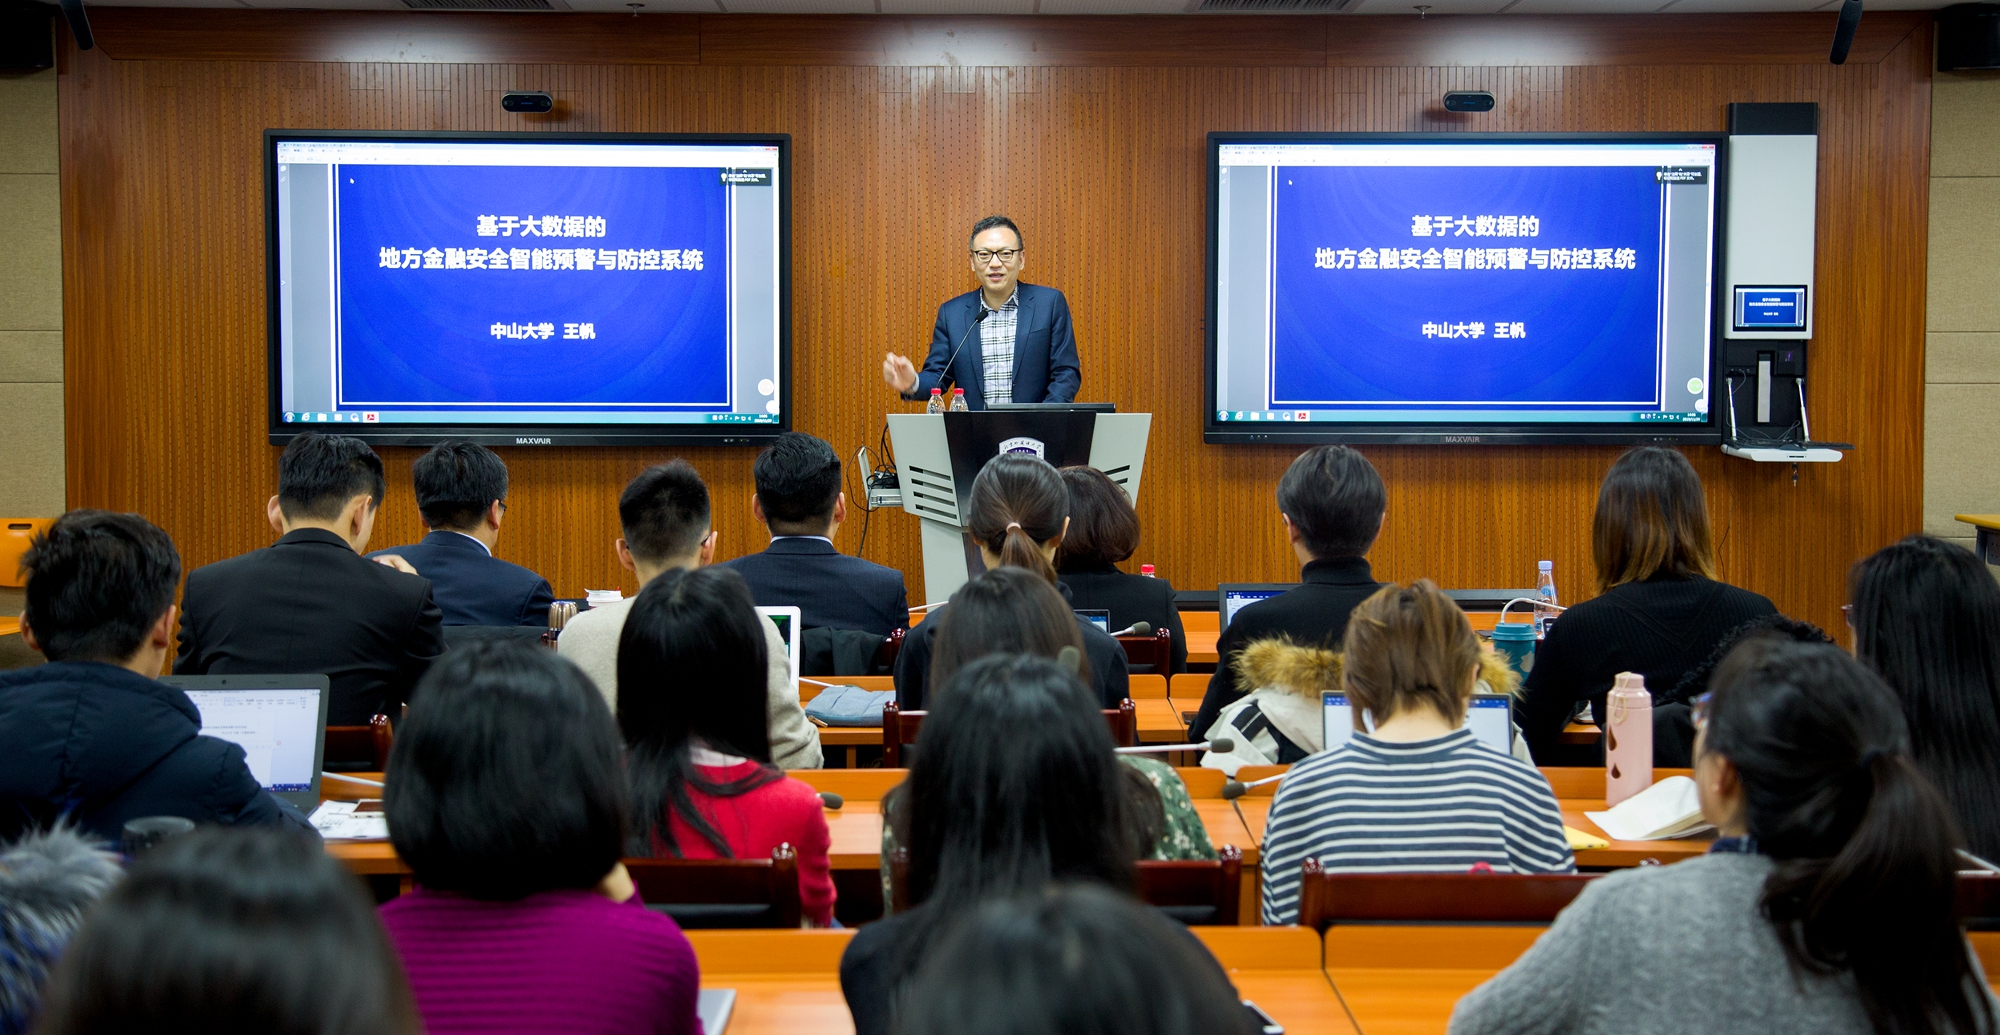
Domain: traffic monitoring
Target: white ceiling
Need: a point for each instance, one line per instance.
(962, 7)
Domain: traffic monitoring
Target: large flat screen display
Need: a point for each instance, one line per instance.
(1462, 288)
(529, 288)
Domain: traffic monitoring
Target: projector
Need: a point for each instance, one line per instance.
(1468, 100)
(541, 103)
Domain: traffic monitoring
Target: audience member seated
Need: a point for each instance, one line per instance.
(232, 932)
(1104, 530)
(48, 879)
(462, 495)
(1419, 792)
(1073, 959)
(1017, 512)
(664, 513)
(311, 602)
(92, 737)
(1333, 504)
(1659, 610)
(1826, 905)
(1926, 618)
(799, 500)
(506, 797)
(1012, 611)
(691, 707)
(1015, 787)
(1673, 710)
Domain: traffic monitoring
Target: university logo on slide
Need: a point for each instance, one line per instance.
(1024, 444)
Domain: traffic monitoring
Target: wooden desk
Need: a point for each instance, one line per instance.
(1159, 720)
(849, 737)
(1203, 628)
(1986, 535)
(789, 981)
(9, 626)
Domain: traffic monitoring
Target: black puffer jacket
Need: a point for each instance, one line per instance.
(103, 746)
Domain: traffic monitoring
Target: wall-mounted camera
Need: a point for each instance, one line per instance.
(537, 103)
(1468, 100)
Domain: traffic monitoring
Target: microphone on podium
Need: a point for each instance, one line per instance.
(1136, 629)
(1222, 744)
(945, 378)
(1234, 789)
(831, 800)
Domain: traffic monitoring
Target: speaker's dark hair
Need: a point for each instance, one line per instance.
(989, 223)
(1017, 503)
(97, 581)
(505, 779)
(692, 670)
(1866, 874)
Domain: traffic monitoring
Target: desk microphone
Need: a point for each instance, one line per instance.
(349, 778)
(1221, 744)
(926, 607)
(946, 379)
(1234, 790)
(831, 800)
(1137, 629)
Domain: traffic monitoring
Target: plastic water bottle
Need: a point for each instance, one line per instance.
(936, 405)
(1545, 593)
(958, 401)
(1147, 571)
(1628, 738)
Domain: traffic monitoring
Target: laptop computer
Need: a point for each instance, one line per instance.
(787, 621)
(279, 722)
(1231, 597)
(1488, 716)
(1097, 616)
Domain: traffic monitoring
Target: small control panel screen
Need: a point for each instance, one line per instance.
(1770, 308)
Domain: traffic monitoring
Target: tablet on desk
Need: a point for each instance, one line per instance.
(278, 721)
(1488, 716)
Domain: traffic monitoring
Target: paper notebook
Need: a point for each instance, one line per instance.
(1667, 810)
(351, 821)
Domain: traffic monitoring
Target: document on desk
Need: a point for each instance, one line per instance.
(1667, 810)
(351, 821)
(714, 1007)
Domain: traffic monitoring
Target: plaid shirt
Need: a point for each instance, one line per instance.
(996, 347)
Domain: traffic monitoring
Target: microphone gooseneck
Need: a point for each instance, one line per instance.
(1221, 744)
(1235, 789)
(1136, 629)
(945, 377)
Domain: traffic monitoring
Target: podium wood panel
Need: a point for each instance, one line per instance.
(1091, 134)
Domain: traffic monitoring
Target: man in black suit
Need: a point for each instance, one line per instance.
(1333, 503)
(462, 494)
(310, 602)
(93, 736)
(799, 500)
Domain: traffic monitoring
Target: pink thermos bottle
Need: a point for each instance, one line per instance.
(1628, 739)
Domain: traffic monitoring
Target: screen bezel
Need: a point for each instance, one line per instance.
(280, 433)
(1708, 432)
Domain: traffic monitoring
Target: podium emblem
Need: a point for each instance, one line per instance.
(1024, 444)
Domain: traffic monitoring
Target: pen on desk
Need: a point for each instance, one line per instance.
(324, 775)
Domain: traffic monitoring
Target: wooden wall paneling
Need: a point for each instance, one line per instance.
(1104, 166)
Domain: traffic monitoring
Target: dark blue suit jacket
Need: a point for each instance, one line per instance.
(830, 589)
(473, 587)
(1045, 365)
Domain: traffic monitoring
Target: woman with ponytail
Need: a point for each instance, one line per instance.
(1826, 905)
(1017, 512)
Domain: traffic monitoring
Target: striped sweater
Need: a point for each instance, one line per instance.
(1433, 806)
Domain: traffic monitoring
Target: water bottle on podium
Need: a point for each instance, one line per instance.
(936, 405)
(1628, 738)
(1545, 594)
(958, 401)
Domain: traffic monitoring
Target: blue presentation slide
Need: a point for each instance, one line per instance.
(1524, 286)
(575, 288)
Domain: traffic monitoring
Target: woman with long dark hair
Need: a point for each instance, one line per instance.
(1659, 609)
(691, 705)
(1103, 532)
(1018, 512)
(1015, 787)
(505, 796)
(1826, 906)
(1926, 617)
(231, 931)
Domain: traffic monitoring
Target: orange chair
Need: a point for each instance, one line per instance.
(1326, 899)
(1153, 653)
(1196, 892)
(358, 749)
(710, 893)
(16, 534)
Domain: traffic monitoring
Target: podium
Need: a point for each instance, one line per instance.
(939, 454)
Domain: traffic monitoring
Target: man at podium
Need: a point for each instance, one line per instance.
(1007, 341)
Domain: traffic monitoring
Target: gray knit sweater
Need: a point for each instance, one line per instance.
(1659, 950)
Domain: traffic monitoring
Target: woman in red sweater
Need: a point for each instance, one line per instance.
(691, 704)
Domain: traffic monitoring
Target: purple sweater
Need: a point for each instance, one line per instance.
(560, 961)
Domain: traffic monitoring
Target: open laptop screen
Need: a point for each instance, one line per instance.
(1487, 717)
(1236, 597)
(278, 730)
